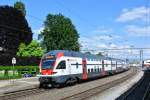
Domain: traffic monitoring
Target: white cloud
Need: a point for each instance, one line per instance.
(137, 31)
(138, 13)
(94, 44)
(102, 33)
(103, 37)
(113, 46)
(38, 31)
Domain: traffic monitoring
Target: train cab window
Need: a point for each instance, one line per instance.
(62, 65)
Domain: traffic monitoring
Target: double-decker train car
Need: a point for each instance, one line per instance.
(67, 67)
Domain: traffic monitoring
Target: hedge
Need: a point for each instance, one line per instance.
(18, 67)
(20, 70)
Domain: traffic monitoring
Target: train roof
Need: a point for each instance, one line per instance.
(78, 54)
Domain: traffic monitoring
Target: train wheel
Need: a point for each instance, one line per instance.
(41, 85)
(57, 85)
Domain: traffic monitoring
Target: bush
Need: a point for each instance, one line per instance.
(20, 71)
(31, 50)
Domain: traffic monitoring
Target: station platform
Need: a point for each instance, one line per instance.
(18, 84)
(116, 91)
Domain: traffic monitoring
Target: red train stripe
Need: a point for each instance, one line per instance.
(60, 55)
(47, 72)
(84, 76)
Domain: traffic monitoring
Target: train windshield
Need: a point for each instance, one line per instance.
(48, 63)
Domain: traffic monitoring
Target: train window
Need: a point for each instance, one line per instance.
(106, 65)
(47, 64)
(95, 70)
(77, 65)
(92, 70)
(62, 65)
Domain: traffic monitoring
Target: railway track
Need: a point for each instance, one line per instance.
(20, 93)
(140, 91)
(80, 95)
(94, 91)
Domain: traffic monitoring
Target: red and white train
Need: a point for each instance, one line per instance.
(67, 67)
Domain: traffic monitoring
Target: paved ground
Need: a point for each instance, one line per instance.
(116, 91)
(17, 84)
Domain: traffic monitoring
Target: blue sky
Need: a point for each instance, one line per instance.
(100, 23)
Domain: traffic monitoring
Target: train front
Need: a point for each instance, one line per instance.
(46, 66)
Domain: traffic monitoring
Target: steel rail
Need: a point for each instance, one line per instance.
(96, 90)
(20, 93)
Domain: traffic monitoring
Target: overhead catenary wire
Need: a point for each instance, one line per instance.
(120, 49)
(36, 18)
(76, 14)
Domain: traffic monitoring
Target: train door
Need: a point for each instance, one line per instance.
(69, 62)
(116, 66)
(111, 66)
(84, 67)
(69, 68)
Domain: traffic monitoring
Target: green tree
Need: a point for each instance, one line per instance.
(100, 54)
(88, 52)
(14, 29)
(31, 50)
(59, 33)
(20, 6)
